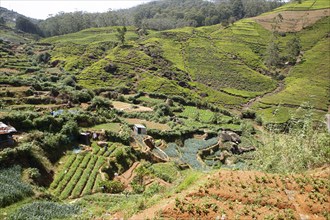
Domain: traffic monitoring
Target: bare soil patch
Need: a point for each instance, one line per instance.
(14, 89)
(149, 124)
(293, 21)
(127, 107)
(7, 70)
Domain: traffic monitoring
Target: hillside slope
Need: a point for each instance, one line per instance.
(214, 64)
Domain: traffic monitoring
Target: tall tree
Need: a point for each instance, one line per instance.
(237, 8)
(121, 32)
(26, 25)
(272, 57)
(2, 21)
(294, 48)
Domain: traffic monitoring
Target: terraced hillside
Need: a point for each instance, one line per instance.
(215, 64)
(203, 94)
(186, 62)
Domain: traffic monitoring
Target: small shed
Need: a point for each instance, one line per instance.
(6, 133)
(84, 138)
(139, 129)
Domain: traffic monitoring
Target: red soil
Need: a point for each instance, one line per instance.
(250, 195)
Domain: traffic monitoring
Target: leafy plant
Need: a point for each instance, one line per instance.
(43, 210)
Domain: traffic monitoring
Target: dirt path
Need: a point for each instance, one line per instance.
(278, 89)
(152, 212)
(127, 177)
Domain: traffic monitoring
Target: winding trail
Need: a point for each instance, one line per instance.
(279, 88)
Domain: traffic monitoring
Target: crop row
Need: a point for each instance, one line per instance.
(102, 151)
(75, 178)
(84, 178)
(110, 150)
(45, 210)
(91, 181)
(96, 187)
(64, 169)
(68, 175)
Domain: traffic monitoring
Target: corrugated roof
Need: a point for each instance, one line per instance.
(5, 129)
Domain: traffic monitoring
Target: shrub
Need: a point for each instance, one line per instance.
(99, 103)
(247, 128)
(163, 110)
(43, 57)
(69, 81)
(305, 145)
(249, 114)
(33, 173)
(113, 186)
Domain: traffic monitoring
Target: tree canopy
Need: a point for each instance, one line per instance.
(160, 15)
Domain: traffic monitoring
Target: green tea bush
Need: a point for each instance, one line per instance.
(44, 210)
(21, 120)
(113, 186)
(99, 103)
(165, 171)
(63, 171)
(249, 114)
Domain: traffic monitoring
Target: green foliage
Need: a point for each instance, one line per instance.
(301, 85)
(26, 25)
(121, 34)
(272, 53)
(113, 186)
(190, 176)
(99, 103)
(247, 128)
(33, 173)
(303, 147)
(304, 5)
(43, 210)
(153, 189)
(158, 15)
(43, 57)
(202, 115)
(248, 114)
(294, 48)
(163, 110)
(12, 189)
(165, 171)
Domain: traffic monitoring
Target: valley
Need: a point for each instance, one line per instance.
(223, 121)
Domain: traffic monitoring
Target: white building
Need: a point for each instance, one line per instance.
(139, 129)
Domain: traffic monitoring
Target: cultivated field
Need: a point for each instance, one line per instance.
(250, 195)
